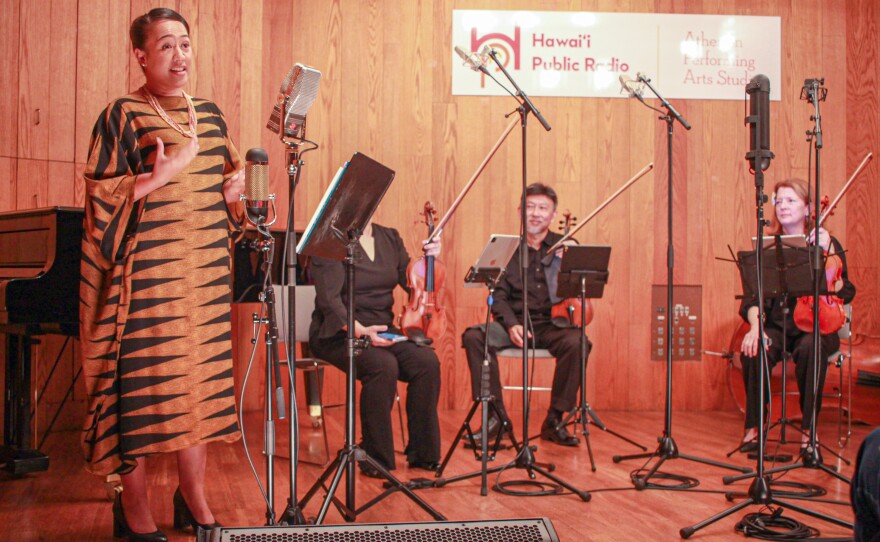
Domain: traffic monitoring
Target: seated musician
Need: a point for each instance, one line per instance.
(379, 268)
(792, 217)
(561, 339)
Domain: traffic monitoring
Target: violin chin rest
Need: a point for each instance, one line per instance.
(418, 336)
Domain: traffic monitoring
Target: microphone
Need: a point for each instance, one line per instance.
(256, 185)
(758, 120)
(298, 92)
(626, 86)
(474, 61)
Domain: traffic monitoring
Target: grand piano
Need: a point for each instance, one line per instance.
(39, 294)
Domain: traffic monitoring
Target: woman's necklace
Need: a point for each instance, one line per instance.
(154, 103)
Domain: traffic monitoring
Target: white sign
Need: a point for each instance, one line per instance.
(583, 54)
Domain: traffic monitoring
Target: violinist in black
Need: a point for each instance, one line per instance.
(563, 341)
(381, 267)
(792, 217)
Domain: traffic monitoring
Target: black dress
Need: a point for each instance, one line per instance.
(798, 343)
(379, 368)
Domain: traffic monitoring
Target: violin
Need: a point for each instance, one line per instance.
(425, 312)
(832, 314)
(570, 308)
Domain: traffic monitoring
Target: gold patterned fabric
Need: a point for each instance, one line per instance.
(155, 288)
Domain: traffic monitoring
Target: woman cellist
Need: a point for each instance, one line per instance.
(791, 199)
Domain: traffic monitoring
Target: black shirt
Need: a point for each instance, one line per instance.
(374, 286)
(508, 305)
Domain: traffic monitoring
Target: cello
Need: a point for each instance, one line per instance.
(425, 313)
(569, 309)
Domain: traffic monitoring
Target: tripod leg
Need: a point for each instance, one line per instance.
(362, 456)
(465, 428)
(341, 464)
(686, 532)
(813, 513)
(715, 463)
(598, 423)
(584, 495)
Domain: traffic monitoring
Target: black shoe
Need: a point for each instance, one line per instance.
(748, 446)
(370, 471)
(559, 436)
(424, 465)
(184, 518)
(122, 530)
(492, 429)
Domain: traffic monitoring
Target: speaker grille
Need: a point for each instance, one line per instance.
(518, 530)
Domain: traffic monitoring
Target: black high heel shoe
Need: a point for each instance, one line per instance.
(184, 518)
(122, 530)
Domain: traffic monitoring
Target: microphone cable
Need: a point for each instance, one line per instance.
(774, 526)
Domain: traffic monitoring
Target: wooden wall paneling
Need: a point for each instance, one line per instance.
(219, 61)
(102, 64)
(33, 90)
(62, 68)
(863, 117)
(9, 68)
(33, 184)
(61, 184)
(250, 78)
(79, 187)
(8, 182)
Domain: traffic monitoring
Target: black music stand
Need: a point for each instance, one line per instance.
(584, 274)
(334, 232)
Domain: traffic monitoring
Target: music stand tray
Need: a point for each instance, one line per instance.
(347, 206)
(588, 261)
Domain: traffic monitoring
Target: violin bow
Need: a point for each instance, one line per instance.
(846, 187)
(589, 217)
(438, 228)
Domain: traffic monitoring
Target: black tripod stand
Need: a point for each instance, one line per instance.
(667, 448)
(759, 492)
(584, 269)
(486, 401)
(346, 209)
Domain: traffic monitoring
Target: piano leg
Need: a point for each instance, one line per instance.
(16, 454)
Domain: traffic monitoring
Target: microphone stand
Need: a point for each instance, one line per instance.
(667, 449)
(525, 459)
(292, 514)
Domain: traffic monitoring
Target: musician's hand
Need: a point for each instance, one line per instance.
(516, 335)
(750, 342)
(233, 188)
(373, 333)
(824, 238)
(432, 248)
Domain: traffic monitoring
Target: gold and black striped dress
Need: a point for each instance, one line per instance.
(155, 287)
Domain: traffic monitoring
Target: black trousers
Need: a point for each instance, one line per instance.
(379, 369)
(801, 349)
(563, 343)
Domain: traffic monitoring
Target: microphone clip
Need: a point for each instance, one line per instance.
(257, 212)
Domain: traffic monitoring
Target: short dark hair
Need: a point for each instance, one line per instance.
(140, 27)
(541, 189)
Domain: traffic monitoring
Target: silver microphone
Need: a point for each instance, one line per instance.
(298, 91)
(256, 184)
(473, 60)
(626, 86)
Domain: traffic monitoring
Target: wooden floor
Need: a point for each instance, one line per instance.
(66, 503)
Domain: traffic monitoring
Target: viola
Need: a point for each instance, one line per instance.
(570, 308)
(425, 312)
(832, 314)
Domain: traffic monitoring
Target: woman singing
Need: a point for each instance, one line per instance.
(162, 194)
(792, 217)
